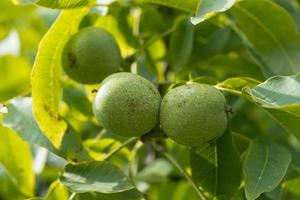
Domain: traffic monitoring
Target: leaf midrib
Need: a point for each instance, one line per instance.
(267, 153)
(272, 36)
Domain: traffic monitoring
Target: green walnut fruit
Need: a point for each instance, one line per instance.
(91, 55)
(127, 104)
(193, 114)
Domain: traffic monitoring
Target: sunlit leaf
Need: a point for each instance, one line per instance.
(57, 191)
(264, 168)
(9, 11)
(20, 118)
(54, 3)
(15, 156)
(179, 190)
(278, 46)
(99, 149)
(95, 177)
(14, 76)
(116, 22)
(216, 167)
(238, 83)
(24, 2)
(62, 3)
(46, 87)
(292, 186)
(8, 190)
(132, 194)
(186, 5)
(207, 8)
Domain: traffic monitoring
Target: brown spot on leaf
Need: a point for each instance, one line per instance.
(94, 91)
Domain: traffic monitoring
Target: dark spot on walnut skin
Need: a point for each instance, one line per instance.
(74, 160)
(72, 60)
(181, 104)
(132, 105)
(152, 90)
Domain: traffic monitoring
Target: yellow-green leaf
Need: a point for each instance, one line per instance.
(15, 156)
(186, 5)
(57, 191)
(46, 87)
(62, 3)
(53, 3)
(14, 76)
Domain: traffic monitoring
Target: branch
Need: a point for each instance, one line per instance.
(116, 150)
(181, 170)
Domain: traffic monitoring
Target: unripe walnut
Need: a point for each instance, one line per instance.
(193, 114)
(127, 104)
(90, 55)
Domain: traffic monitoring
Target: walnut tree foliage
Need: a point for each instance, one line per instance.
(52, 146)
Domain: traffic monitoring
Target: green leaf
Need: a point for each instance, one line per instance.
(24, 2)
(156, 172)
(181, 44)
(173, 190)
(98, 149)
(45, 80)
(216, 167)
(292, 186)
(208, 8)
(278, 47)
(226, 66)
(145, 66)
(278, 91)
(15, 156)
(186, 5)
(20, 118)
(264, 168)
(238, 83)
(62, 3)
(280, 96)
(95, 177)
(14, 76)
(77, 100)
(57, 191)
(116, 22)
(132, 194)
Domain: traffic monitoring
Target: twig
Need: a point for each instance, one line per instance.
(163, 151)
(132, 156)
(178, 166)
(72, 196)
(241, 136)
(154, 39)
(116, 150)
(229, 90)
